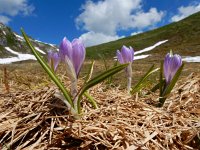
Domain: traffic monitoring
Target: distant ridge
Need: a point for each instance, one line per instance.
(15, 42)
(183, 37)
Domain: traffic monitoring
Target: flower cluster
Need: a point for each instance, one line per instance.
(72, 54)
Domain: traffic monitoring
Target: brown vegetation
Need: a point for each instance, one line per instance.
(35, 119)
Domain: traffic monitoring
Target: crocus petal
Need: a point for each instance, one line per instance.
(53, 59)
(127, 54)
(119, 57)
(78, 55)
(167, 68)
(56, 60)
(176, 63)
(70, 69)
(65, 49)
(49, 56)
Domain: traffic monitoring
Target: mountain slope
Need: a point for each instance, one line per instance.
(11, 44)
(183, 36)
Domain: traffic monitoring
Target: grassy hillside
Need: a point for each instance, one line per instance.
(183, 36)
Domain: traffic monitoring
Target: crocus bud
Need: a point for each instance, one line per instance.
(126, 56)
(171, 64)
(53, 59)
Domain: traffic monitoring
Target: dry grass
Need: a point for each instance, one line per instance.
(35, 119)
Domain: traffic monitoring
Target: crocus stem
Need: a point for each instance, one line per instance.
(129, 77)
(129, 84)
(74, 91)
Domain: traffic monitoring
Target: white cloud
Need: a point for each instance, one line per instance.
(4, 19)
(109, 16)
(185, 12)
(92, 38)
(10, 8)
(145, 19)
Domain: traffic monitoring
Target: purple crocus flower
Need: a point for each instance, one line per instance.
(74, 51)
(171, 64)
(126, 55)
(53, 59)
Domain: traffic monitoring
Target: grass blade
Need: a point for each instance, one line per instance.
(89, 74)
(141, 84)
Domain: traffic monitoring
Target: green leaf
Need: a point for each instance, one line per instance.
(48, 70)
(170, 86)
(141, 84)
(99, 78)
(89, 74)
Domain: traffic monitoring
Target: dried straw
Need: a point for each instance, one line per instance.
(38, 120)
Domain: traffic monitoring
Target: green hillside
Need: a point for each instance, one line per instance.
(183, 36)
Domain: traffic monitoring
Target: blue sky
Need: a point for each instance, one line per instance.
(94, 21)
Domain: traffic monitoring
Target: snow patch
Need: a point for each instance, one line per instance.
(151, 47)
(11, 51)
(20, 38)
(20, 57)
(140, 57)
(191, 59)
(39, 50)
(52, 45)
(4, 32)
(136, 57)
